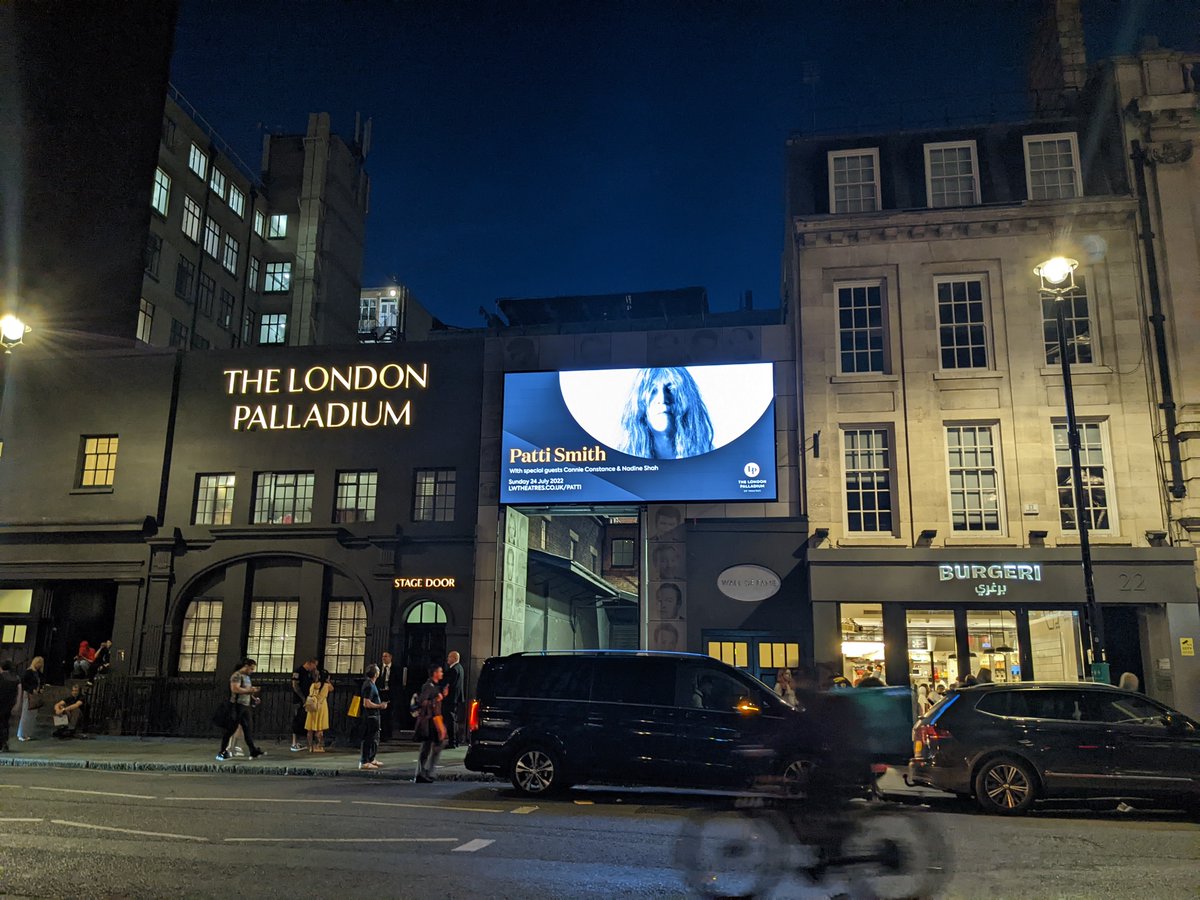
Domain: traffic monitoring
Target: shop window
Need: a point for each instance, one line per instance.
(13, 634)
(214, 499)
(1093, 459)
(345, 636)
(426, 613)
(1054, 645)
(862, 640)
(98, 461)
(930, 654)
(733, 653)
(622, 550)
(283, 498)
(434, 495)
(992, 637)
(1077, 325)
(271, 641)
(201, 636)
(974, 472)
(868, 466)
(355, 501)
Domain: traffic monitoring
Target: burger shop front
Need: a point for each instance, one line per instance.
(926, 618)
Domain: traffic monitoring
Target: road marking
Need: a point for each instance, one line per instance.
(585, 802)
(522, 810)
(164, 834)
(472, 846)
(423, 806)
(95, 793)
(22, 820)
(308, 840)
(249, 800)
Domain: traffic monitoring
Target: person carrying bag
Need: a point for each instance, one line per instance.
(430, 729)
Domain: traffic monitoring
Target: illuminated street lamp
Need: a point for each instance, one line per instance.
(1057, 277)
(12, 332)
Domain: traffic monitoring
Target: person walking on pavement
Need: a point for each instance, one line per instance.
(385, 695)
(242, 696)
(304, 676)
(10, 690)
(455, 681)
(372, 707)
(31, 698)
(431, 729)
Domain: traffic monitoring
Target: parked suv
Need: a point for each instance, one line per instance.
(550, 720)
(1011, 744)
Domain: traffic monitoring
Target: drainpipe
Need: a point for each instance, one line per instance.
(1156, 319)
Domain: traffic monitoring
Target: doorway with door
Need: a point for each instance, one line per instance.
(423, 643)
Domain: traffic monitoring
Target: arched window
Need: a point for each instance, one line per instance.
(345, 636)
(201, 636)
(426, 613)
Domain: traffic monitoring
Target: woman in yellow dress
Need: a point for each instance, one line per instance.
(317, 707)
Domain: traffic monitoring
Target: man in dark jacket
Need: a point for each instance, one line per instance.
(10, 684)
(454, 700)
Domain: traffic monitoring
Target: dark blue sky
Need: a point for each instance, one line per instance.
(536, 149)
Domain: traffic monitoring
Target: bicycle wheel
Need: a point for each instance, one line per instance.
(894, 853)
(730, 854)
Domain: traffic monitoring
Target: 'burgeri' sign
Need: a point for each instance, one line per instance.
(350, 396)
(748, 583)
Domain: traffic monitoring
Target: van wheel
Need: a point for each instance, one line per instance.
(796, 776)
(1005, 785)
(537, 770)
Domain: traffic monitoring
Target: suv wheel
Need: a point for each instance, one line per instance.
(537, 770)
(1005, 785)
(796, 776)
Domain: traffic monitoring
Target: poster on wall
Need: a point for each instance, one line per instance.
(677, 433)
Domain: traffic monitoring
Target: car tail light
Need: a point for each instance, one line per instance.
(925, 735)
(473, 716)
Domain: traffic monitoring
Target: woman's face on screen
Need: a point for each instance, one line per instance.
(660, 409)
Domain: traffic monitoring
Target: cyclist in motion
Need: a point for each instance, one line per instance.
(818, 817)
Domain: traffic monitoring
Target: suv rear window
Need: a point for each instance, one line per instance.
(546, 677)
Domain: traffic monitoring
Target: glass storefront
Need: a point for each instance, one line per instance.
(1054, 644)
(992, 636)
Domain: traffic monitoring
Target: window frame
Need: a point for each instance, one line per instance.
(334, 658)
(179, 334)
(1110, 485)
(986, 307)
(145, 325)
(261, 647)
(210, 636)
(217, 182)
(272, 329)
(276, 274)
(1071, 320)
(952, 145)
(206, 291)
(160, 191)
(225, 306)
(200, 169)
(231, 249)
(217, 498)
(357, 512)
(440, 500)
(277, 226)
(885, 347)
(1077, 173)
(185, 279)
(190, 222)
(97, 463)
(238, 208)
(212, 237)
(263, 513)
(260, 223)
(830, 158)
(887, 430)
(997, 467)
(612, 553)
(152, 255)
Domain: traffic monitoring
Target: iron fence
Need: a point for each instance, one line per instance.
(183, 706)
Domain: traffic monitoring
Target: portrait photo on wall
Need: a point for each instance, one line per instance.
(673, 433)
(666, 636)
(668, 601)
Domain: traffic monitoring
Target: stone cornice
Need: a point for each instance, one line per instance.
(1042, 217)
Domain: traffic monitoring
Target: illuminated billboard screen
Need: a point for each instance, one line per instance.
(686, 433)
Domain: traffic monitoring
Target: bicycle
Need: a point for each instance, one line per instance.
(867, 849)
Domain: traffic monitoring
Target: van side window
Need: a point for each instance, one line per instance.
(705, 687)
(546, 677)
(634, 679)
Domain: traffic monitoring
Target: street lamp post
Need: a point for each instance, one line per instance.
(12, 332)
(1057, 278)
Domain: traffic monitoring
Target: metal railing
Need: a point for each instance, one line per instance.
(183, 706)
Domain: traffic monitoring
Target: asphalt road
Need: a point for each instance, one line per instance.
(70, 833)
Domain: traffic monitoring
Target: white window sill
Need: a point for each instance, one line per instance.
(980, 539)
(1078, 369)
(957, 374)
(864, 378)
(859, 539)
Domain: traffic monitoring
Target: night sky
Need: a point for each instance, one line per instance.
(538, 149)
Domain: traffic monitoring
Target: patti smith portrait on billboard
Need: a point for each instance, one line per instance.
(665, 417)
